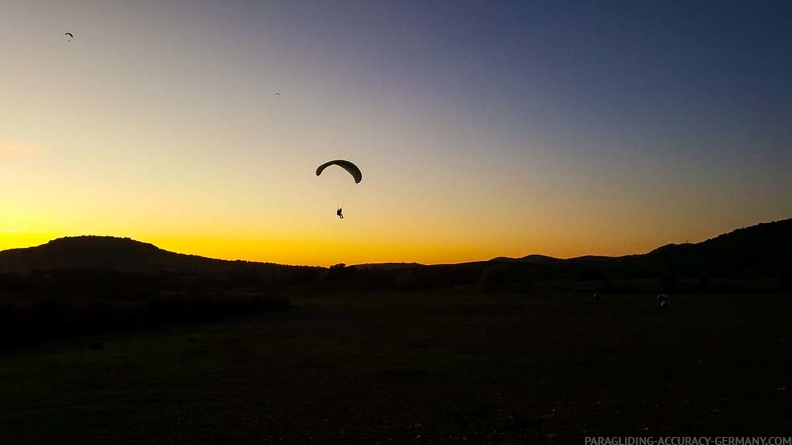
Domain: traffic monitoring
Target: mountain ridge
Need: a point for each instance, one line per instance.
(109, 252)
(762, 247)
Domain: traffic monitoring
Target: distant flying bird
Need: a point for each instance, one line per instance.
(71, 36)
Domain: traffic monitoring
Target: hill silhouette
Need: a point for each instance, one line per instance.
(529, 259)
(761, 250)
(107, 252)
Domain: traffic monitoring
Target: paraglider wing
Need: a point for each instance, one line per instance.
(69, 34)
(346, 165)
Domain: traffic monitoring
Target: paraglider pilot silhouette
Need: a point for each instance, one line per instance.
(351, 168)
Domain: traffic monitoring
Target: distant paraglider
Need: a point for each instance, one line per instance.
(69, 35)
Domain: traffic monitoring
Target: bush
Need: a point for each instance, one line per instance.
(52, 315)
(410, 280)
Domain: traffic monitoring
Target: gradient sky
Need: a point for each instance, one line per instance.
(483, 128)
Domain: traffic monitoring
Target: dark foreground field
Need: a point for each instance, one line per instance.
(431, 367)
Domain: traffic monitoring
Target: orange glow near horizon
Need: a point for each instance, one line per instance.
(326, 253)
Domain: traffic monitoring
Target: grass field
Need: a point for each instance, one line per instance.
(423, 367)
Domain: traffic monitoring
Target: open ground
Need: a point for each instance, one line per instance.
(440, 366)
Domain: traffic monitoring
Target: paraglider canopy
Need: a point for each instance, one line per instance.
(71, 36)
(346, 165)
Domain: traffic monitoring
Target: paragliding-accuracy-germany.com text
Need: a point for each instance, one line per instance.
(688, 440)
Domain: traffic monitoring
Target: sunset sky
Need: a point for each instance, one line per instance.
(483, 128)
